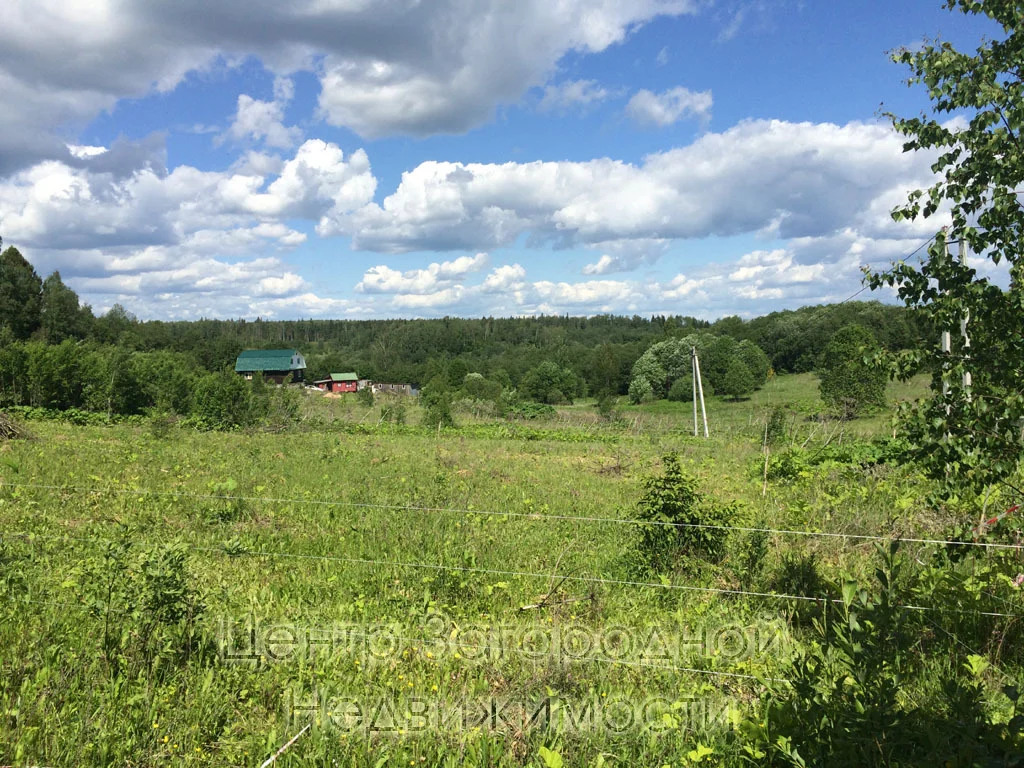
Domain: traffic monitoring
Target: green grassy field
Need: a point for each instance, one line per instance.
(182, 598)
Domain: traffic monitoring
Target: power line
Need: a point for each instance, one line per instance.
(866, 287)
(523, 515)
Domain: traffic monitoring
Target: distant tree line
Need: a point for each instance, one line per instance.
(57, 353)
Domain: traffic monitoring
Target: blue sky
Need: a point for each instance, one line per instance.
(348, 158)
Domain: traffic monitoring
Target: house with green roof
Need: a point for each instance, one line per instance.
(277, 365)
(339, 382)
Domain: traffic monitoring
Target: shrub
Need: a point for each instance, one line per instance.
(437, 404)
(529, 411)
(149, 606)
(223, 401)
(394, 411)
(160, 425)
(849, 385)
(669, 513)
(550, 383)
(640, 391)
(799, 575)
(775, 428)
(606, 406)
(842, 702)
(755, 549)
(737, 380)
(681, 390)
(365, 396)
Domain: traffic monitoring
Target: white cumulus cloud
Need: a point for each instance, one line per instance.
(663, 109)
(385, 68)
(570, 94)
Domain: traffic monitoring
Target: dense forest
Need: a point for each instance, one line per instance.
(54, 352)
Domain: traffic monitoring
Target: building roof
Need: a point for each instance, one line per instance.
(351, 376)
(266, 360)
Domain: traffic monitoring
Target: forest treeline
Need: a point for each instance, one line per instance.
(55, 352)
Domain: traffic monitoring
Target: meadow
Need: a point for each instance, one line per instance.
(461, 596)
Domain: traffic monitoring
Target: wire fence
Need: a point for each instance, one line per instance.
(551, 578)
(532, 516)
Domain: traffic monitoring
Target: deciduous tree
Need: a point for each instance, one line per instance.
(969, 436)
(59, 313)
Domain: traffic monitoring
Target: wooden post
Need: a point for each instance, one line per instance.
(700, 390)
(693, 374)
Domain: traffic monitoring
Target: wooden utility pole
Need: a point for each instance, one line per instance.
(699, 385)
(693, 375)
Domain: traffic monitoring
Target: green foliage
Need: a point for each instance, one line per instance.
(528, 411)
(393, 411)
(365, 397)
(551, 383)
(754, 552)
(799, 574)
(968, 438)
(167, 380)
(225, 401)
(668, 511)
(606, 406)
(665, 369)
(149, 608)
(20, 289)
(60, 316)
(796, 462)
(658, 367)
(160, 425)
(775, 425)
(640, 390)
(793, 339)
(850, 381)
(843, 702)
(737, 380)
(681, 390)
(476, 387)
(756, 361)
(436, 399)
(12, 577)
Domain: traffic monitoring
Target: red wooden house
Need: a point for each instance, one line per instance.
(339, 382)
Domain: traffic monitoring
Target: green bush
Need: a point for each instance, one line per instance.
(681, 390)
(528, 411)
(843, 705)
(671, 514)
(149, 606)
(223, 401)
(436, 399)
(799, 574)
(849, 384)
(640, 391)
(606, 406)
(775, 426)
(737, 380)
(365, 396)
